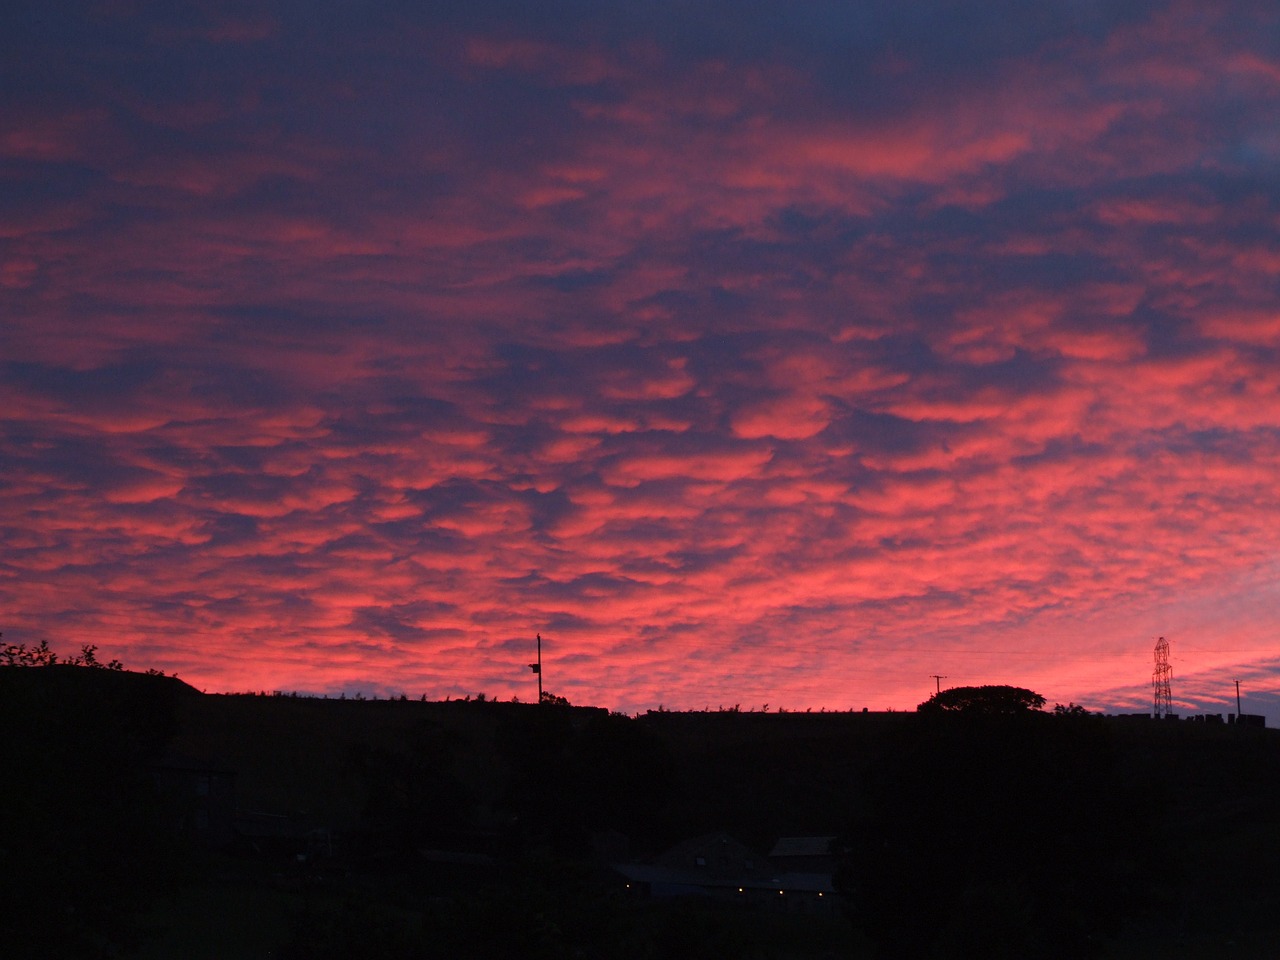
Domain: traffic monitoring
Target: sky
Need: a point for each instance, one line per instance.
(750, 353)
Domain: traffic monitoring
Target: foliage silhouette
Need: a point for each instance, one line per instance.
(18, 655)
(995, 699)
(1070, 710)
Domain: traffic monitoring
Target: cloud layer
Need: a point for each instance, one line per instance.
(748, 356)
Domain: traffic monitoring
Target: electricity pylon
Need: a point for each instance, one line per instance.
(1160, 677)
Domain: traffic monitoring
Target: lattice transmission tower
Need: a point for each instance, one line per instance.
(1160, 677)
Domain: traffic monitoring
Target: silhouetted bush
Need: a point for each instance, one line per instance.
(996, 699)
(19, 655)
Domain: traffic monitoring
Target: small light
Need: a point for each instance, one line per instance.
(780, 893)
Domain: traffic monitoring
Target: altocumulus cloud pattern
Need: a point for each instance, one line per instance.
(748, 353)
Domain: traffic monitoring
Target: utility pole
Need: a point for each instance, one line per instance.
(1238, 713)
(937, 682)
(537, 668)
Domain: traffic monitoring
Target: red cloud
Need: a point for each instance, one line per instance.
(731, 383)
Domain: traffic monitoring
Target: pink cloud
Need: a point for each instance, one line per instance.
(145, 489)
(792, 417)
(1252, 326)
(64, 135)
(719, 370)
(708, 465)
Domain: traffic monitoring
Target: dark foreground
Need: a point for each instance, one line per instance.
(145, 819)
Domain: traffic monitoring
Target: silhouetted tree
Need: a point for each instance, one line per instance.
(18, 655)
(1070, 710)
(991, 699)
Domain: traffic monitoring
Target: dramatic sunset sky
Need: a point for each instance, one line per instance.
(750, 352)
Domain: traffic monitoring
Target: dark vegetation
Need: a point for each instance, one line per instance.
(992, 700)
(19, 655)
(981, 826)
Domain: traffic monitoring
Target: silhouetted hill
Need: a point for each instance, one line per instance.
(1100, 834)
(85, 843)
(67, 680)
